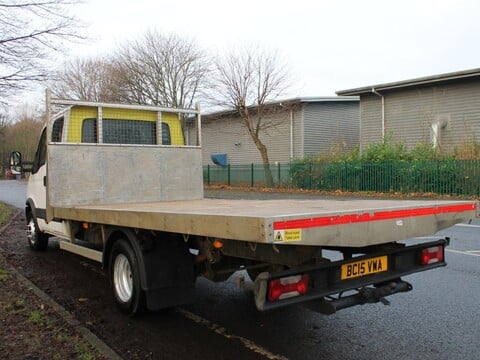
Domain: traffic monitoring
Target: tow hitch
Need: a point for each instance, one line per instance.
(364, 295)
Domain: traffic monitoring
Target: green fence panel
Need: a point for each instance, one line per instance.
(446, 177)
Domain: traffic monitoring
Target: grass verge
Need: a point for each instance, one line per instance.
(5, 213)
(31, 329)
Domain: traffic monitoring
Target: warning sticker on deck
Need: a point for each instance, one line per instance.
(288, 235)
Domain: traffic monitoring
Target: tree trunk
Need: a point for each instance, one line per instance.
(266, 163)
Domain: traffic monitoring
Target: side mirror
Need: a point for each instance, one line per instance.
(16, 165)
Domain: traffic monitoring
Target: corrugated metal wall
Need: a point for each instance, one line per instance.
(329, 126)
(409, 115)
(229, 136)
(370, 120)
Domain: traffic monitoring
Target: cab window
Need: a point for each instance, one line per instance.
(57, 130)
(89, 131)
(166, 140)
(121, 131)
(41, 154)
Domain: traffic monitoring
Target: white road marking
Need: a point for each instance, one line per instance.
(222, 331)
(468, 225)
(471, 253)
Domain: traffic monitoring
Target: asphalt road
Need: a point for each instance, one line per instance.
(12, 192)
(439, 319)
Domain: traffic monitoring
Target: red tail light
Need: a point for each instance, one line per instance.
(287, 287)
(432, 255)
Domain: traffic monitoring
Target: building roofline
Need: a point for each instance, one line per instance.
(447, 77)
(307, 99)
(319, 99)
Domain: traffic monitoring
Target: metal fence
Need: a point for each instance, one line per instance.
(448, 177)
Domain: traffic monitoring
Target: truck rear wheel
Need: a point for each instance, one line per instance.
(125, 279)
(37, 240)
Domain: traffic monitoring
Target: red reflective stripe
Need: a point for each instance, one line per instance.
(365, 217)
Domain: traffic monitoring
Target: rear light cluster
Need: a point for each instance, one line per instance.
(287, 287)
(432, 255)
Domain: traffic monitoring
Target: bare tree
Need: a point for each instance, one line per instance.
(3, 140)
(4, 122)
(246, 80)
(29, 31)
(23, 136)
(160, 69)
(87, 79)
(19, 132)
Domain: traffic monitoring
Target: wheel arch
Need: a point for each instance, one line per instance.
(113, 234)
(30, 207)
(166, 268)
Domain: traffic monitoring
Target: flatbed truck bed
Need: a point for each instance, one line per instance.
(352, 223)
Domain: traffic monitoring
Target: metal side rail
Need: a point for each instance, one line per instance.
(371, 277)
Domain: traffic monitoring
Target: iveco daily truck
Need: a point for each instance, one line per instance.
(123, 185)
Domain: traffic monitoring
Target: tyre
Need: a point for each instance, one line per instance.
(37, 240)
(125, 279)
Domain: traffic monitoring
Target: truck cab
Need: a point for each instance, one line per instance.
(85, 123)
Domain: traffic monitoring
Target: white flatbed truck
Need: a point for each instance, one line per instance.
(123, 185)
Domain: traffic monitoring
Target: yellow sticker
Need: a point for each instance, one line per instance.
(288, 235)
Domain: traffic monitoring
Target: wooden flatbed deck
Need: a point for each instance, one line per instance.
(354, 223)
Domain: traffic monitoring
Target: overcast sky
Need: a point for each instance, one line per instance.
(329, 45)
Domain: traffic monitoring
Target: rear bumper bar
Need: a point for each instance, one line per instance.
(325, 280)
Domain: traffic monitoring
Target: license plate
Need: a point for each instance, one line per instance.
(364, 267)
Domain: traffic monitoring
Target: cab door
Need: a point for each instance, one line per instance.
(37, 190)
